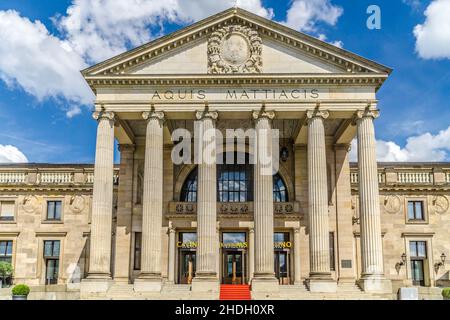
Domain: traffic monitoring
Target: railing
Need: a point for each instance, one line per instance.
(354, 177)
(56, 177)
(49, 177)
(12, 177)
(414, 177)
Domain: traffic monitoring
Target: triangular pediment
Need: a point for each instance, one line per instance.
(205, 47)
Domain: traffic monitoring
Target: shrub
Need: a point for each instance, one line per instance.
(21, 290)
(446, 293)
(6, 269)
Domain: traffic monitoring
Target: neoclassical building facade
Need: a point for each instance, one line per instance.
(153, 227)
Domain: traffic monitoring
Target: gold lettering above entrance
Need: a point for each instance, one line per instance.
(237, 94)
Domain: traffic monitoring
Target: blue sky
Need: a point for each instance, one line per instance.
(45, 115)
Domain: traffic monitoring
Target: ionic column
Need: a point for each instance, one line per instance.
(319, 253)
(371, 247)
(171, 269)
(206, 272)
(297, 261)
(152, 204)
(102, 199)
(251, 253)
(264, 275)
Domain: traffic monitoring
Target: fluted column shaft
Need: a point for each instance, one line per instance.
(152, 196)
(251, 253)
(317, 196)
(102, 198)
(171, 271)
(206, 196)
(371, 246)
(263, 196)
(297, 261)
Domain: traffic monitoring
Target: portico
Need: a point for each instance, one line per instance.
(235, 70)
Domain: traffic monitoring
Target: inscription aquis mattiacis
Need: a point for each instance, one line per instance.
(236, 94)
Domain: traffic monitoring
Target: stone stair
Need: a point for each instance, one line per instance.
(121, 291)
(176, 291)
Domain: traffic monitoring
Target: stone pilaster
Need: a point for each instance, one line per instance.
(264, 276)
(319, 275)
(251, 254)
(102, 205)
(344, 227)
(297, 257)
(152, 205)
(206, 279)
(172, 252)
(124, 214)
(372, 275)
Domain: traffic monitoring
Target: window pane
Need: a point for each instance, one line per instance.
(50, 210)
(7, 210)
(56, 245)
(421, 249)
(9, 248)
(57, 210)
(413, 248)
(48, 248)
(418, 207)
(410, 210)
(3, 248)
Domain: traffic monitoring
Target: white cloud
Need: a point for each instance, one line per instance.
(303, 15)
(337, 43)
(433, 36)
(73, 111)
(43, 65)
(9, 154)
(424, 147)
(101, 29)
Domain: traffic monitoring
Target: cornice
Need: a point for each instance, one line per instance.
(326, 79)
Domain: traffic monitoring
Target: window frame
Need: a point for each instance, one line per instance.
(54, 201)
(13, 220)
(137, 251)
(52, 257)
(415, 200)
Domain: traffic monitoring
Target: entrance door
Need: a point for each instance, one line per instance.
(233, 267)
(281, 266)
(187, 267)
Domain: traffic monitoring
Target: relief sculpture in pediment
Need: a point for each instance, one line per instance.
(234, 49)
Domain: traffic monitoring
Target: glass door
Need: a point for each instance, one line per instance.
(187, 268)
(418, 278)
(281, 266)
(233, 268)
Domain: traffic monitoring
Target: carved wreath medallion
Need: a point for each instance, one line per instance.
(392, 204)
(441, 204)
(234, 49)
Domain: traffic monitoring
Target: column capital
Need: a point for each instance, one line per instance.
(149, 115)
(297, 230)
(263, 113)
(251, 230)
(317, 113)
(366, 113)
(206, 114)
(99, 115)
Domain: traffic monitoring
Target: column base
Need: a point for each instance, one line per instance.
(265, 288)
(321, 283)
(375, 284)
(95, 283)
(148, 283)
(205, 288)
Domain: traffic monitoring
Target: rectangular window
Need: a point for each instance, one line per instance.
(7, 209)
(6, 251)
(137, 250)
(331, 240)
(418, 255)
(415, 210)
(54, 210)
(52, 250)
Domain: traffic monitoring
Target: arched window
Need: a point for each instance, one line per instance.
(234, 184)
